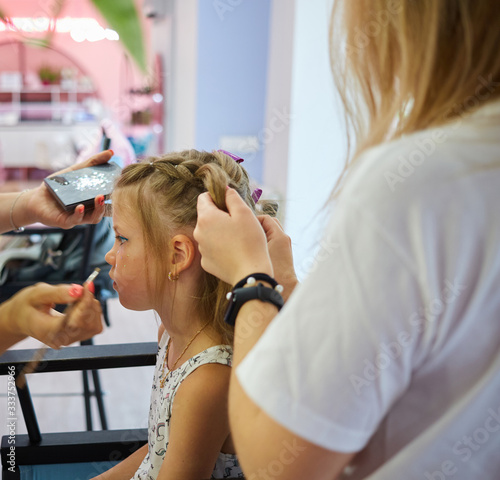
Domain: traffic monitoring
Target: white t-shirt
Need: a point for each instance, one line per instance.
(391, 346)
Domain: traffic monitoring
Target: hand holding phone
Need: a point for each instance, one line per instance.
(82, 186)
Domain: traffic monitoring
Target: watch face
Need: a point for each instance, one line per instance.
(82, 186)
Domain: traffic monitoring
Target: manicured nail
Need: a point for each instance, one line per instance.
(90, 287)
(75, 290)
(80, 209)
(100, 200)
(112, 153)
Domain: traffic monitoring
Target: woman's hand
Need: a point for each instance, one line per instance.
(232, 245)
(38, 205)
(30, 313)
(279, 246)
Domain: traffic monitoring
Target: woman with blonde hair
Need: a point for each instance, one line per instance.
(385, 361)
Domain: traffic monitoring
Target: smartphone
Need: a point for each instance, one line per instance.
(82, 186)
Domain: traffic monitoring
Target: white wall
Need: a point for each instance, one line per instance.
(317, 140)
(304, 138)
(276, 135)
(181, 76)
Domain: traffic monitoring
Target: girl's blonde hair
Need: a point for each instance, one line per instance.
(164, 191)
(406, 65)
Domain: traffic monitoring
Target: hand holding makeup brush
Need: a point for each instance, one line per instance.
(30, 313)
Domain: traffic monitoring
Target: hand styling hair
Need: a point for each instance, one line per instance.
(165, 190)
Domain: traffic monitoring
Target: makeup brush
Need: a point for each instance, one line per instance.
(32, 365)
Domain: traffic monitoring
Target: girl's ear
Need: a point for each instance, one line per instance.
(182, 253)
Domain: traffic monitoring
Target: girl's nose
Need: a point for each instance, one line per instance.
(110, 257)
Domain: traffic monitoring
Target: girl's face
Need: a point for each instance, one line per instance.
(128, 257)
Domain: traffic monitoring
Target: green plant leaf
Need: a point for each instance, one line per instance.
(123, 17)
(37, 42)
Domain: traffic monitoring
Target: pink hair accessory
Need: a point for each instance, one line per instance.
(232, 155)
(256, 194)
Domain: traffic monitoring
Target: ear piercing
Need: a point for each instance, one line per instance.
(173, 277)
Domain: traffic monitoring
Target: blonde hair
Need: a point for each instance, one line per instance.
(406, 65)
(164, 191)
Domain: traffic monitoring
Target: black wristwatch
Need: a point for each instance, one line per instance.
(241, 295)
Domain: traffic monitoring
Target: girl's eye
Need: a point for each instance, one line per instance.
(121, 239)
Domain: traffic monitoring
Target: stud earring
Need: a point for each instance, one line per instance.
(173, 277)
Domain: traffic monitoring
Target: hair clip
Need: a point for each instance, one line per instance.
(256, 194)
(233, 156)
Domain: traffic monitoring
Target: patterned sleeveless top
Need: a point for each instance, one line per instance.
(160, 411)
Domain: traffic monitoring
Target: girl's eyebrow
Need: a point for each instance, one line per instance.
(118, 232)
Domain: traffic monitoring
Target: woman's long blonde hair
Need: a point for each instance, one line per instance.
(406, 65)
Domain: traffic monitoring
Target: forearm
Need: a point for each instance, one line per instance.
(289, 285)
(18, 209)
(252, 320)
(125, 470)
(6, 200)
(264, 447)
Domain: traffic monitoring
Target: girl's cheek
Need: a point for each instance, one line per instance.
(121, 259)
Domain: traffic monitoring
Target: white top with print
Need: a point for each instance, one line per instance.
(161, 410)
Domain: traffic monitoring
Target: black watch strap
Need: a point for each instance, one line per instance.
(263, 277)
(239, 296)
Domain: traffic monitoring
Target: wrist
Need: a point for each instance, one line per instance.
(259, 277)
(261, 268)
(10, 320)
(22, 212)
(252, 288)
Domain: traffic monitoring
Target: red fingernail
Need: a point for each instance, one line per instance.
(90, 287)
(80, 209)
(76, 290)
(100, 200)
(112, 153)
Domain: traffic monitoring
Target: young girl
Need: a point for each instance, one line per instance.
(155, 264)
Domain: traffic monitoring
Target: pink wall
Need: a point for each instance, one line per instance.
(104, 61)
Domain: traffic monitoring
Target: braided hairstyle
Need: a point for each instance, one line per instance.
(166, 190)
